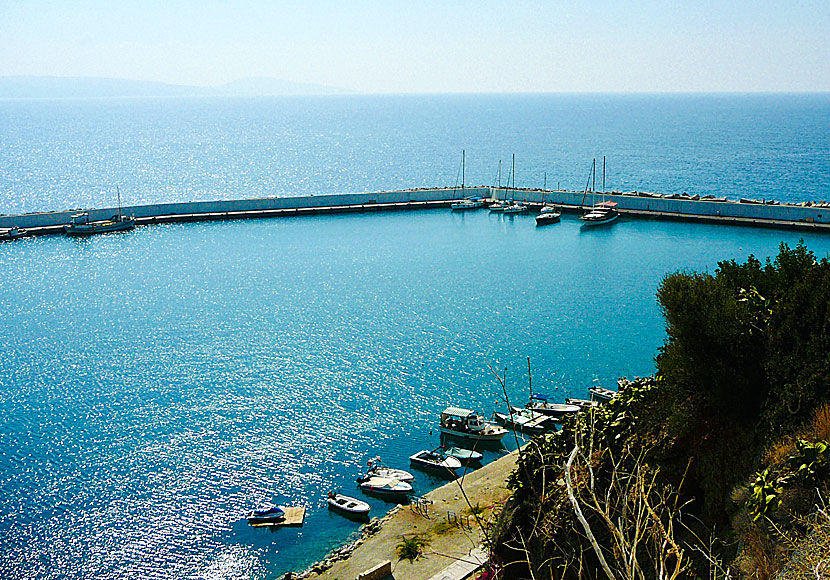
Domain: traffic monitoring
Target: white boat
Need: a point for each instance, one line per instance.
(348, 505)
(384, 486)
(527, 420)
(468, 203)
(602, 394)
(499, 205)
(583, 404)
(12, 233)
(601, 213)
(465, 424)
(435, 461)
(465, 456)
(517, 207)
(544, 404)
(81, 226)
(378, 469)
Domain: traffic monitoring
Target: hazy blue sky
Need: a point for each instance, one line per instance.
(401, 47)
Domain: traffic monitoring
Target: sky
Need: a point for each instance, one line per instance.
(416, 46)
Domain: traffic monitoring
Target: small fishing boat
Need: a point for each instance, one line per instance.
(544, 404)
(348, 505)
(435, 461)
(583, 404)
(602, 394)
(526, 420)
(12, 233)
(378, 469)
(384, 486)
(267, 515)
(81, 226)
(465, 456)
(465, 424)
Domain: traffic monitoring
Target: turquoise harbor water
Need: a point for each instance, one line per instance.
(158, 384)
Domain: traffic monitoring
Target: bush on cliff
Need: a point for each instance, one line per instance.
(660, 482)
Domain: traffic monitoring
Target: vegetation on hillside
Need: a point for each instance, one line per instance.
(716, 466)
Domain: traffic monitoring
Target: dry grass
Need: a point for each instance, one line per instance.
(780, 451)
(819, 427)
(759, 558)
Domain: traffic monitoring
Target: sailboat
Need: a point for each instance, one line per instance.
(601, 213)
(548, 214)
(498, 205)
(514, 206)
(467, 202)
(81, 226)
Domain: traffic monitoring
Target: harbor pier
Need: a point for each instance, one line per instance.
(758, 213)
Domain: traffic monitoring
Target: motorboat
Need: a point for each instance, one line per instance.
(499, 205)
(378, 469)
(267, 515)
(465, 424)
(526, 420)
(583, 404)
(544, 404)
(435, 461)
(548, 215)
(514, 208)
(468, 203)
(602, 394)
(384, 486)
(604, 212)
(465, 456)
(348, 505)
(81, 226)
(12, 233)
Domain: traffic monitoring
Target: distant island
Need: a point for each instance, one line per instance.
(48, 87)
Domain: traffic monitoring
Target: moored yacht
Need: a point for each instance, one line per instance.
(465, 424)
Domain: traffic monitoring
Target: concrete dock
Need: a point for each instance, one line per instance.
(807, 216)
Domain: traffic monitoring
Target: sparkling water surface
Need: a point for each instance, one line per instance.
(160, 383)
(71, 154)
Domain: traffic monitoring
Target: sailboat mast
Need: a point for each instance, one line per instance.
(594, 176)
(118, 189)
(513, 171)
(529, 379)
(603, 174)
(463, 168)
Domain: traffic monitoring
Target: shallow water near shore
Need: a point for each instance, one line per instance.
(158, 384)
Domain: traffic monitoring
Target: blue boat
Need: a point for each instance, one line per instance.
(273, 514)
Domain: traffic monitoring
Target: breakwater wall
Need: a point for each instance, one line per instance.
(805, 215)
(250, 208)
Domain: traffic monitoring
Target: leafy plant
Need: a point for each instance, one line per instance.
(765, 494)
(811, 460)
(411, 548)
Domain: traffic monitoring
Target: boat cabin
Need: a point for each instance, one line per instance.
(458, 419)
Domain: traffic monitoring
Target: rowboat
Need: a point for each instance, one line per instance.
(348, 505)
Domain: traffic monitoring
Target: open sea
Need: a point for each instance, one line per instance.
(158, 384)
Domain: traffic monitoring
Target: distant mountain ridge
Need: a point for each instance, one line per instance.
(38, 87)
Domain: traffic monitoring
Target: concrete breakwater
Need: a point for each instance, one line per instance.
(805, 215)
